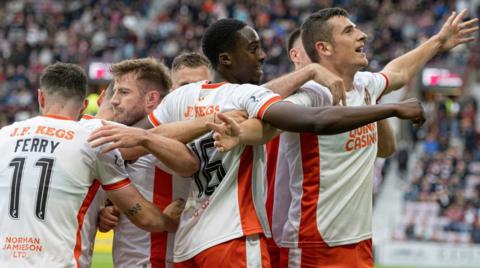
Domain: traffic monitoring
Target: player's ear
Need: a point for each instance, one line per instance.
(152, 99)
(224, 59)
(41, 98)
(101, 98)
(323, 48)
(84, 106)
(293, 54)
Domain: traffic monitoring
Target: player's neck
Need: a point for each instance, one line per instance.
(347, 74)
(222, 76)
(61, 110)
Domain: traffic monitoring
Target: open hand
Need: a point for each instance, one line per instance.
(118, 135)
(227, 133)
(455, 32)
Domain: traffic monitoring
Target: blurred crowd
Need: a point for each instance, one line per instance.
(442, 201)
(35, 33)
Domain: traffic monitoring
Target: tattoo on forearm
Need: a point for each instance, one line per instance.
(134, 210)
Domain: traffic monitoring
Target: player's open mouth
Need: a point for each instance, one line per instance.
(359, 49)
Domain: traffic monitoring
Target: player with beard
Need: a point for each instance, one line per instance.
(328, 221)
(225, 218)
(50, 173)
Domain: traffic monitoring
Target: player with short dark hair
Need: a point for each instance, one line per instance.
(188, 68)
(330, 177)
(225, 219)
(49, 173)
(240, 63)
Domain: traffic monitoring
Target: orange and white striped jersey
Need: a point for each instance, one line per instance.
(226, 200)
(90, 221)
(331, 176)
(134, 247)
(49, 174)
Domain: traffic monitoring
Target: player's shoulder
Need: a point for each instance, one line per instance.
(186, 89)
(314, 86)
(363, 78)
(315, 89)
(90, 124)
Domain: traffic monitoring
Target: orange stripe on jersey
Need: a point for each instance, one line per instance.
(266, 105)
(272, 156)
(117, 185)
(248, 214)
(56, 116)
(162, 196)
(153, 120)
(81, 215)
(308, 233)
(387, 83)
(213, 85)
(87, 117)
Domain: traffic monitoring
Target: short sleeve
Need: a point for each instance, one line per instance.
(311, 94)
(255, 99)
(375, 83)
(111, 170)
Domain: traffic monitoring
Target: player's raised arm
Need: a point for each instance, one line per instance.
(453, 33)
(144, 214)
(334, 120)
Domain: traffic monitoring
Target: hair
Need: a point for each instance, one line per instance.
(220, 37)
(66, 80)
(190, 60)
(146, 70)
(109, 90)
(292, 38)
(316, 28)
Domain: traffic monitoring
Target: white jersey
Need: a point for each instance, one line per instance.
(226, 199)
(90, 221)
(47, 183)
(134, 247)
(330, 176)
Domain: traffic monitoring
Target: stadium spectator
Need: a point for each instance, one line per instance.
(37, 33)
(442, 201)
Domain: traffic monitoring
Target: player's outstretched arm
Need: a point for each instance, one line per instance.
(453, 33)
(170, 152)
(289, 83)
(188, 130)
(228, 133)
(144, 214)
(334, 120)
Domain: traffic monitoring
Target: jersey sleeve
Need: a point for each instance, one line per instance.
(165, 111)
(255, 99)
(311, 95)
(111, 170)
(376, 84)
